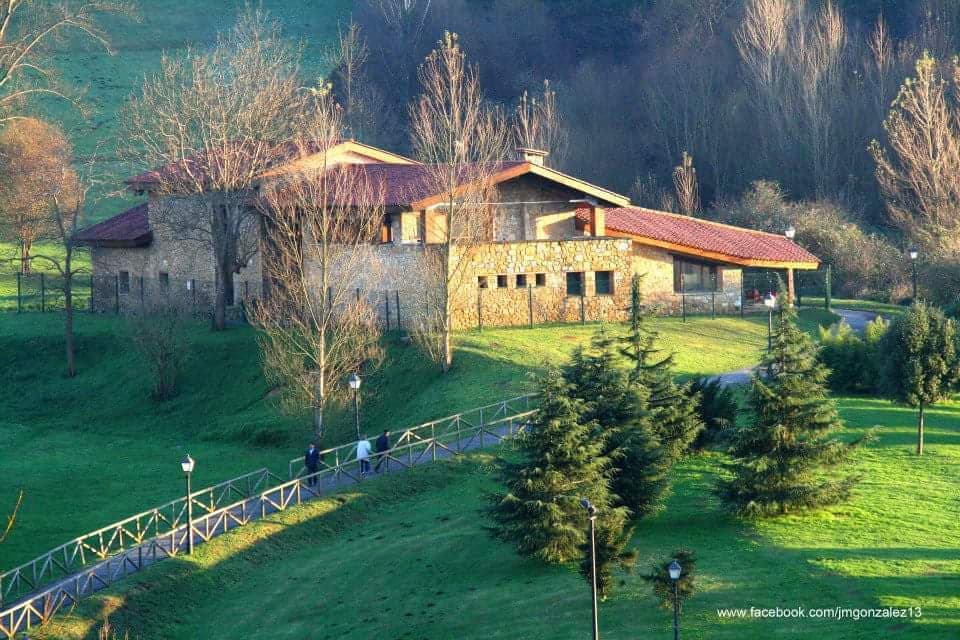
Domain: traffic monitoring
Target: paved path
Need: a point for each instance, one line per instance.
(856, 319)
(46, 602)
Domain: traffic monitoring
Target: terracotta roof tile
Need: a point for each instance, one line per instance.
(130, 228)
(705, 235)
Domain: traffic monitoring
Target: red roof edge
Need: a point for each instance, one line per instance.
(128, 229)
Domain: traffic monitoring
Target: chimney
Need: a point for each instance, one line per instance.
(598, 221)
(533, 156)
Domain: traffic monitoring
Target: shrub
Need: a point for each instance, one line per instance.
(853, 361)
(159, 336)
(659, 577)
(717, 408)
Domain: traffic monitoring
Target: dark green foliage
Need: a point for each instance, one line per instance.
(717, 409)
(672, 407)
(642, 464)
(613, 535)
(659, 577)
(920, 365)
(562, 461)
(782, 460)
(600, 383)
(854, 361)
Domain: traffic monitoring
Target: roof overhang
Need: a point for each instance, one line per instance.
(128, 243)
(714, 255)
(525, 168)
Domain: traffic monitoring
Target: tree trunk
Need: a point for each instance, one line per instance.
(318, 423)
(25, 257)
(224, 279)
(68, 314)
(920, 430)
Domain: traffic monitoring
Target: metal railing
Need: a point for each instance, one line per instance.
(425, 442)
(96, 546)
(441, 432)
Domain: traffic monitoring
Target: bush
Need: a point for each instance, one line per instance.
(159, 336)
(659, 577)
(717, 408)
(854, 361)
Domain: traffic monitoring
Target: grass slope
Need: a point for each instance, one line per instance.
(95, 449)
(408, 557)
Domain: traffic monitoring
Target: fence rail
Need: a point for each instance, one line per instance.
(96, 546)
(429, 441)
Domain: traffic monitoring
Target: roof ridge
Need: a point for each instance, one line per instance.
(713, 222)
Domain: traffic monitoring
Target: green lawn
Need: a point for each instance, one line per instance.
(408, 557)
(94, 449)
(34, 293)
(883, 308)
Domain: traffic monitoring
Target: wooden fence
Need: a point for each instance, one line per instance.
(429, 441)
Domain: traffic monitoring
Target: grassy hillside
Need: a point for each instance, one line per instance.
(91, 450)
(164, 26)
(408, 557)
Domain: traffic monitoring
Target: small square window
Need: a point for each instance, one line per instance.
(575, 283)
(521, 280)
(164, 280)
(124, 282)
(482, 282)
(541, 279)
(604, 282)
(502, 282)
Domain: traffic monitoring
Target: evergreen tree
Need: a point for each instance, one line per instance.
(921, 365)
(642, 463)
(783, 459)
(613, 534)
(599, 381)
(561, 461)
(673, 407)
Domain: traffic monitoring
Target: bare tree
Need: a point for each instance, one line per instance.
(919, 167)
(29, 34)
(320, 225)
(348, 59)
(685, 184)
(461, 142)
(159, 336)
(32, 156)
(215, 122)
(538, 124)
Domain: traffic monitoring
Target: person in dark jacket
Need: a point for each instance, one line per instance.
(383, 445)
(311, 460)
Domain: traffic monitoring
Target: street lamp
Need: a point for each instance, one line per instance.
(791, 232)
(187, 465)
(770, 302)
(355, 385)
(914, 253)
(592, 513)
(674, 570)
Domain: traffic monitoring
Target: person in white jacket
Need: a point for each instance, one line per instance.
(363, 455)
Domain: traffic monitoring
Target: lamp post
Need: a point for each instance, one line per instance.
(770, 302)
(791, 232)
(674, 570)
(914, 253)
(592, 513)
(355, 385)
(187, 465)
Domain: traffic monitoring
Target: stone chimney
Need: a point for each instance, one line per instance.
(598, 221)
(533, 156)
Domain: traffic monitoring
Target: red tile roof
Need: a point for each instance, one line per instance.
(403, 184)
(128, 229)
(740, 245)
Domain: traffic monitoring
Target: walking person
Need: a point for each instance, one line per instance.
(311, 461)
(383, 445)
(363, 455)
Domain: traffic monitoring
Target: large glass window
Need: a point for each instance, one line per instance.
(692, 276)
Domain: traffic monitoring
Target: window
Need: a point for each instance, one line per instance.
(521, 281)
(482, 282)
(124, 282)
(164, 280)
(502, 282)
(541, 279)
(386, 229)
(689, 275)
(575, 283)
(604, 282)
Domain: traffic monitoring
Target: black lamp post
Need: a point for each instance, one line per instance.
(355, 385)
(592, 513)
(770, 302)
(914, 253)
(674, 570)
(187, 465)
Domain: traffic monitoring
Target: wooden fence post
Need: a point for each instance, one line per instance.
(141, 292)
(743, 293)
(116, 290)
(43, 292)
(397, 292)
(19, 290)
(480, 308)
(583, 313)
(386, 313)
(530, 304)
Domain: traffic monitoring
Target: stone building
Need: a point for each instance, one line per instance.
(559, 249)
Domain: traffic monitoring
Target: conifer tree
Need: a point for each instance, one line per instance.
(673, 407)
(785, 458)
(561, 461)
(600, 382)
(921, 364)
